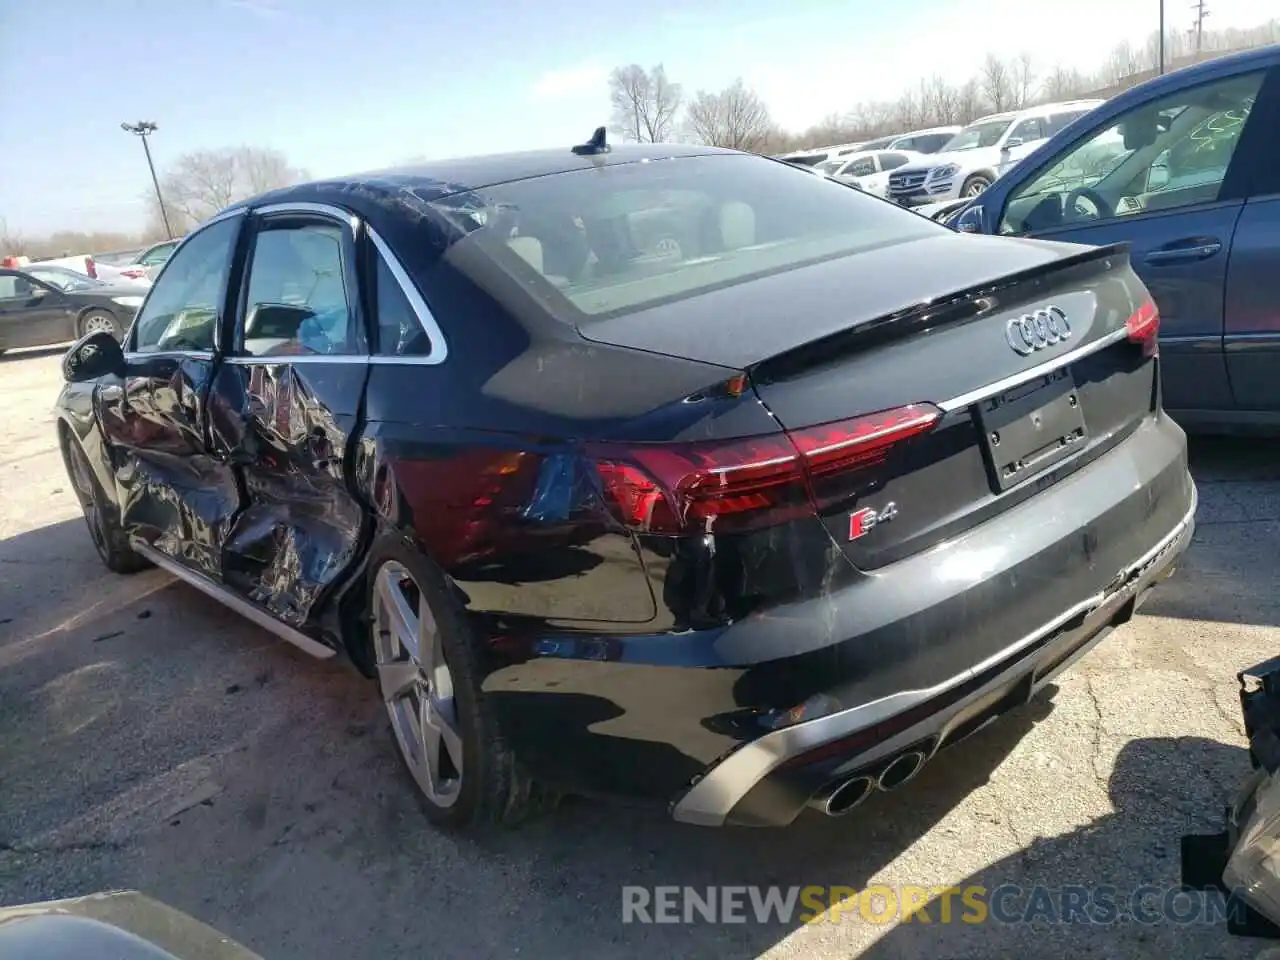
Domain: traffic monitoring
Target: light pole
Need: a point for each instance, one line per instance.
(1161, 37)
(143, 128)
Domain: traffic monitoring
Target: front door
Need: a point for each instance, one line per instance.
(32, 314)
(174, 494)
(1161, 178)
(1252, 334)
(286, 408)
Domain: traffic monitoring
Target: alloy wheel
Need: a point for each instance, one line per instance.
(416, 684)
(99, 323)
(975, 188)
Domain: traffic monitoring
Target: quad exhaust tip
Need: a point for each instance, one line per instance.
(846, 795)
(903, 768)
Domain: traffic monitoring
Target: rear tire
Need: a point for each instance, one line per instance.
(429, 674)
(99, 514)
(99, 321)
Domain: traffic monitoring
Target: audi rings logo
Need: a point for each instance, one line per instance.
(1035, 331)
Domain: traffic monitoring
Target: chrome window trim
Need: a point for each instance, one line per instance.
(330, 212)
(439, 348)
(129, 336)
(152, 354)
(1031, 373)
(281, 358)
(307, 206)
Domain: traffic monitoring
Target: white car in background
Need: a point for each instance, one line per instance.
(85, 265)
(869, 169)
(981, 152)
(929, 140)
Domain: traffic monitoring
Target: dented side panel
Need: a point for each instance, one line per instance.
(289, 430)
(174, 493)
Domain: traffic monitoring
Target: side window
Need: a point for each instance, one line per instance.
(891, 161)
(862, 167)
(400, 332)
(1028, 130)
(1160, 155)
(1055, 122)
(182, 311)
(13, 286)
(298, 302)
(157, 254)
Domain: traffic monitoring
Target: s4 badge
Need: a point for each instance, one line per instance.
(861, 522)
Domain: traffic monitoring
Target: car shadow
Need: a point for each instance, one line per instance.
(1124, 867)
(33, 353)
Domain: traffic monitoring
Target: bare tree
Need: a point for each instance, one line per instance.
(969, 101)
(645, 103)
(997, 84)
(1063, 84)
(199, 184)
(1024, 80)
(735, 117)
(12, 243)
(944, 101)
(1122, 63)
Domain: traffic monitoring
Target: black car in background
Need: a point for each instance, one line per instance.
(1184, 168)
(661, 470)
(41, 305)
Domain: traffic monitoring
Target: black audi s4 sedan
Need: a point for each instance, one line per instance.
(655, 471)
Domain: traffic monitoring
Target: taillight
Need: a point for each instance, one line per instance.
(704, 487)
(90, 267)
(836, 454)
(718, 487)
(1144, 328)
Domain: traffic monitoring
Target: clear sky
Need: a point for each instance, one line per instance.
(349, 85)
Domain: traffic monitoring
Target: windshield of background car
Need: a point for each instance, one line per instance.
(599, 243)
(978, 135)
(63, 279)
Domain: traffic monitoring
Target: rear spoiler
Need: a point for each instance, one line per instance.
(963, 306)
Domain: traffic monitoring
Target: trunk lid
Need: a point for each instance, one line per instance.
(853, 337)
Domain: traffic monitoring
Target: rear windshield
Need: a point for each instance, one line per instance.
(605, 242)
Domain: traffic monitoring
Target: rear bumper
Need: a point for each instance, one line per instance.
(743, 722)
(768, 781)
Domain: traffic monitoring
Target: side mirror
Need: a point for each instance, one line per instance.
(1011, 143)
(92, 356)
(38, 292)
(970, 220)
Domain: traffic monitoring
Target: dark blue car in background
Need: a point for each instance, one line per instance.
(1186, 169)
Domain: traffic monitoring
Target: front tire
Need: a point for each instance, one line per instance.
(429, 675)
(99, 321)
(99, 515)
(974, 186)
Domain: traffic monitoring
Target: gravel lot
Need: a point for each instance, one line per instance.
(151, 740)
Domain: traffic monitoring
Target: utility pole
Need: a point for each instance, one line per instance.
(1201, 9)
(143, 128)
(1161, 37)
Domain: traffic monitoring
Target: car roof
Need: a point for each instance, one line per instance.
(946, 128)
(437, 179)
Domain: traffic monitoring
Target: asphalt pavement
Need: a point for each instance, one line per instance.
(150, 739)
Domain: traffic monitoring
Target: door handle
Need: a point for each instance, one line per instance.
(1200, 251)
